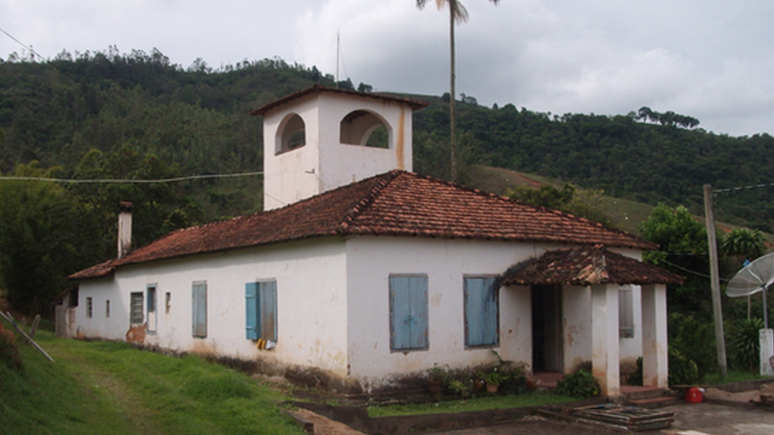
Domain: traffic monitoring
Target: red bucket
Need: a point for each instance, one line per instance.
(694, 395)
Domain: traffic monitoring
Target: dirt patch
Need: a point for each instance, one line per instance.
(323, 425)
(766, 390)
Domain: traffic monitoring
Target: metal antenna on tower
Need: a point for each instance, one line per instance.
(338, 50)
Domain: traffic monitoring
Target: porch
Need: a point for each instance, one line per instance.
(575, 306)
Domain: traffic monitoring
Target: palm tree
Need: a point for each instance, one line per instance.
(458, 14)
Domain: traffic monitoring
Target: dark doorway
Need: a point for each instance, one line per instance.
(547, 343)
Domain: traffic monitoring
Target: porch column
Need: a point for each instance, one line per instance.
(655, 355)
(605, 361)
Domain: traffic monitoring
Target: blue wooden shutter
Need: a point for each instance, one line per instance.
(268, 309)
(481, 311)
(199, 309)
(251, 305)
(408, 307)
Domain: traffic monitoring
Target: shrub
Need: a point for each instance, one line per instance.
(746, 344)
(682, 370)
(580, 385)
(513, 375)
(9, 352)
(694, 338)
(457, 387)
(635, 378)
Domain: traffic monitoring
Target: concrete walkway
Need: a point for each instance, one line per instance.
(709, 418)
(690, 419)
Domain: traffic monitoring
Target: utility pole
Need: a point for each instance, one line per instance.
(717, 310)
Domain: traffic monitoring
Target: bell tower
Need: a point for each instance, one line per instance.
(321, 138)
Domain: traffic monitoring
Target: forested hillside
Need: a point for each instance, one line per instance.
(137, 116)
(628, 156)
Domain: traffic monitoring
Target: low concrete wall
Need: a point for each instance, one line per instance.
(357, 418)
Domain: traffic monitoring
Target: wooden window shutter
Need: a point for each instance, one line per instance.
(251, 306)
(481, 311)
(199, 309)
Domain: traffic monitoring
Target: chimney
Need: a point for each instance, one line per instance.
(124, 228)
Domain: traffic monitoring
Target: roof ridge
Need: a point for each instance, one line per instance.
(368, 199)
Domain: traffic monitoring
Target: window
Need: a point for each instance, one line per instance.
(481, 311)
(89, 308)
(151, 292)
(408, 312)
(72, 301)
(364, 128)
(625, 312)
(107, 308)
(135, 307)
(199, 309)
(167, 302)
(291, 134)
(261, 310)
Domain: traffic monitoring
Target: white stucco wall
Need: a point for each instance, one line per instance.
(333, 305)
(291, 175)
(371, 260)
(324, 163)
(311, 302)
(576, 326)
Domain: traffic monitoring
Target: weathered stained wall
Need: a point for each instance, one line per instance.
(576, 327)
(371, 260)
(333, 306)
(324, 163)
(311, 303)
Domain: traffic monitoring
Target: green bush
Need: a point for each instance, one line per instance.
(682, 370)
(746, 344)
(513, 376)
(9, 352)
(635, 378)
(580, 385)
(694, 338)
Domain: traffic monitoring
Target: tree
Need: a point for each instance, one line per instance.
(42, 238)
(457, 14)
(569, 199)
(743, 243)
(682, 248)
(740, 245)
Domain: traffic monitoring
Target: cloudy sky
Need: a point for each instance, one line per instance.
(710, 59)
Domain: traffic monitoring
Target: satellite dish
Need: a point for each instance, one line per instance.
(753, 278)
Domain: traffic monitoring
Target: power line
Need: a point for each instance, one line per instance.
(28, 47)
(735, 189)
(693, 272)
(127, 181)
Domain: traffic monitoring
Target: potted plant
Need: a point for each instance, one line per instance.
(435, 378)
(478, 381)
(493, 380)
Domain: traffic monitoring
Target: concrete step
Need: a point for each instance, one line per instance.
(644, 393)
(654, 402)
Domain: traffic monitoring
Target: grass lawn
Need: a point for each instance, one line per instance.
(113, 388)
(474, 404)
(733, 376)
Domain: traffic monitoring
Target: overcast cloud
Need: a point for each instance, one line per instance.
(711, 59)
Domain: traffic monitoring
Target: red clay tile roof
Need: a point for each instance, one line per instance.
(587, 265)
(317, 89)
(395, 203)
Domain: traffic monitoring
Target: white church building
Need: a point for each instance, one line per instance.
(361, 273)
